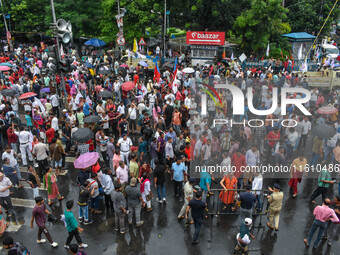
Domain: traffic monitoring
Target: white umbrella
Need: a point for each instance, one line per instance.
(188, 70)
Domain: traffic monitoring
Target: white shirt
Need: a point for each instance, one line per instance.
(24, 136)
(4, 184)
(107, 184)
(257, 184)
(132, 113)
(54, 101)
(292, 137)
(27, 105)
(121, 109)
(12, 161)
(125, 144)
(54, 124)
(306, 127)
(106, 124)
(15, 105)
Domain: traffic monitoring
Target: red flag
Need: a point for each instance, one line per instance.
(281, 54)
(223, 54)
(174, 76)
(262, 58)
(156, 74)
(292, 64)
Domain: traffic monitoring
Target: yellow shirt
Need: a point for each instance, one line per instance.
(299, 165)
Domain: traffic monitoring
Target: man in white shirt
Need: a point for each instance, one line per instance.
(24, 140)
(307, 126)
(54, 122)
(124, 143)
(292, 139)
(132, 115)
(107, 185)
(14, 103)
(5, 185)
(121, 108)
(55, 104)
(257, 185)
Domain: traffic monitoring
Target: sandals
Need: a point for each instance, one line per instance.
(61, 198)
(180, 218)
(270, 226)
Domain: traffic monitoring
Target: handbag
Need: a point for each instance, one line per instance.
(52, 218)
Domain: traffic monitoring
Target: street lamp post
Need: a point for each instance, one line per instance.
(164, 32)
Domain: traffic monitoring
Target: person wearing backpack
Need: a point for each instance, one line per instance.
(14, 248)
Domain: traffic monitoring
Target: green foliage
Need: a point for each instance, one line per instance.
(309, 15)
(265, 21)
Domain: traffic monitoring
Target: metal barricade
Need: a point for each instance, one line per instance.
(225, 202)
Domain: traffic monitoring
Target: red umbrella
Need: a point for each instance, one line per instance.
(327, 110)
(27, 95)
(128, 85)
(124, 65)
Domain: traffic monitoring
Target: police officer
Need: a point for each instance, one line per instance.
(24, 139)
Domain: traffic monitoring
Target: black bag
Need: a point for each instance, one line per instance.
(52, 218)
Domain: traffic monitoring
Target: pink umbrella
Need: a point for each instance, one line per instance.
(124, 65)
(86, 160)
(27, 95)
(128, 85)
(4, 68)
(328, 109)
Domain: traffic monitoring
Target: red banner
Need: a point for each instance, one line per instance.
(205, 38)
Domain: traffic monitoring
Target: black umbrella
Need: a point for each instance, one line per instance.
(92, 119)
(324, 131)
(9, 92)
(103, 71)
(105, 94)
(123, 71)
(82, 135)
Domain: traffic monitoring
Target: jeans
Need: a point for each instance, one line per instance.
(178, 188)
(161, 191)
(120, 221)
(73, 233)
(328, 153)
(6, 203)
(94, 202)
(84, 212)
(204, 196)
(14, 147)
(108, 202)
(136, 209)
(198, 225)
(316, 225)
(314, 159)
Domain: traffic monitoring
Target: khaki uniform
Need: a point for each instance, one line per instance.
(275, 202)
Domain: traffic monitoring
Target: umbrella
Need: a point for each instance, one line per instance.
(88, 65)
(9, 92)
(86, 160)
(324, 131)
(95, 43)
(124, 65)
(143, 63)
(168, 64)
(6, 64)
(188, 70)
(4, 68)
(27, 95)
(327, 110)
(105, 94)
(92, 119)
(47, 90)
(103, 71)
(82, 135)
(129, 85)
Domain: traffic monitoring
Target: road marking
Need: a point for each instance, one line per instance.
(20, 202)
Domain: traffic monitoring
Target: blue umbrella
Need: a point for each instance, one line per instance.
(46, 89)
(88, 65)
(6, 64)
(143, 63)
(95, 43)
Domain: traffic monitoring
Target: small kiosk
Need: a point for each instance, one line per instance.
(204, 45)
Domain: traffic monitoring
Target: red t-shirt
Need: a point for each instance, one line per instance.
(271, 135)
(50, 134)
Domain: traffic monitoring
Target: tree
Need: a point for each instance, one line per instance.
(309, 15)
(265, 21)
(140, 16)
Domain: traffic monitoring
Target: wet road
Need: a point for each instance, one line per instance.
(162, 233)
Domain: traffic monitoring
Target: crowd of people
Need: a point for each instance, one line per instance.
(155, 131)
